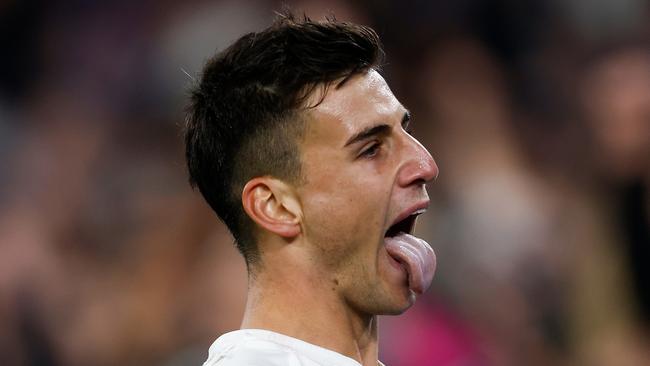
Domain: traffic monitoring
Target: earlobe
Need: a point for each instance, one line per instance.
(269, 203)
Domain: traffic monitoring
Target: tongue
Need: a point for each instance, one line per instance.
(416, 256)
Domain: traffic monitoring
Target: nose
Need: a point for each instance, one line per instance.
(418, 167)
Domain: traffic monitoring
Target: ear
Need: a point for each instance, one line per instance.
(272, 205)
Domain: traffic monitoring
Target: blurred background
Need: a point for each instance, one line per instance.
(537, 112)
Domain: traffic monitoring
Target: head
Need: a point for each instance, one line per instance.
(293, 137)
(246, 115)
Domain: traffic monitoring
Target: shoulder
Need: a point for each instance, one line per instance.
(241, 348)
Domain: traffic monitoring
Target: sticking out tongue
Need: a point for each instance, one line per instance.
(416, 256)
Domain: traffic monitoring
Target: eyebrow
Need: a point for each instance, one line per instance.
(376, 130)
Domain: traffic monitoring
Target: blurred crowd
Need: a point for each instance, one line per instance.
(537, 113)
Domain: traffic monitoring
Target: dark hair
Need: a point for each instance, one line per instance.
(245, 115)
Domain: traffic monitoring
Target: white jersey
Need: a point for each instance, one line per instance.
(257, 347)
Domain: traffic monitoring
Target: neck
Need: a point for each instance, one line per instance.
(307, 306)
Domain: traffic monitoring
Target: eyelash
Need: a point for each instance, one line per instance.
(372, 151)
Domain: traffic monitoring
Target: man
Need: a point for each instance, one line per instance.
(300, 147)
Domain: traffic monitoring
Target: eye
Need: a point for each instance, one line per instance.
(371, 151)
(407, 128)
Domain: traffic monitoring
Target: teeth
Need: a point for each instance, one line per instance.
(406, 225)
(420, 211)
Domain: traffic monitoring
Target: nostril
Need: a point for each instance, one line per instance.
(420, 182)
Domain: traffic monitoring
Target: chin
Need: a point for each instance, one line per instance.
(398, 307)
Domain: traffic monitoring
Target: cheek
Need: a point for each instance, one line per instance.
(330, 219)
(344, 204)
(344, 215)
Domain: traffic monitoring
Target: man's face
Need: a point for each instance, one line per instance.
(362, 172)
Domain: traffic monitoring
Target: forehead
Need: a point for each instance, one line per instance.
(363, 100)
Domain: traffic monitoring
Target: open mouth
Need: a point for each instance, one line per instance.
(404, 226)
(411, 255)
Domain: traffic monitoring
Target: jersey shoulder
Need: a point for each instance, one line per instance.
(254, 352)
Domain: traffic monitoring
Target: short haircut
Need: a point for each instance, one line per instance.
(245, 117)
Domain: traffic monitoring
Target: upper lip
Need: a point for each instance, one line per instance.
(416, 209)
